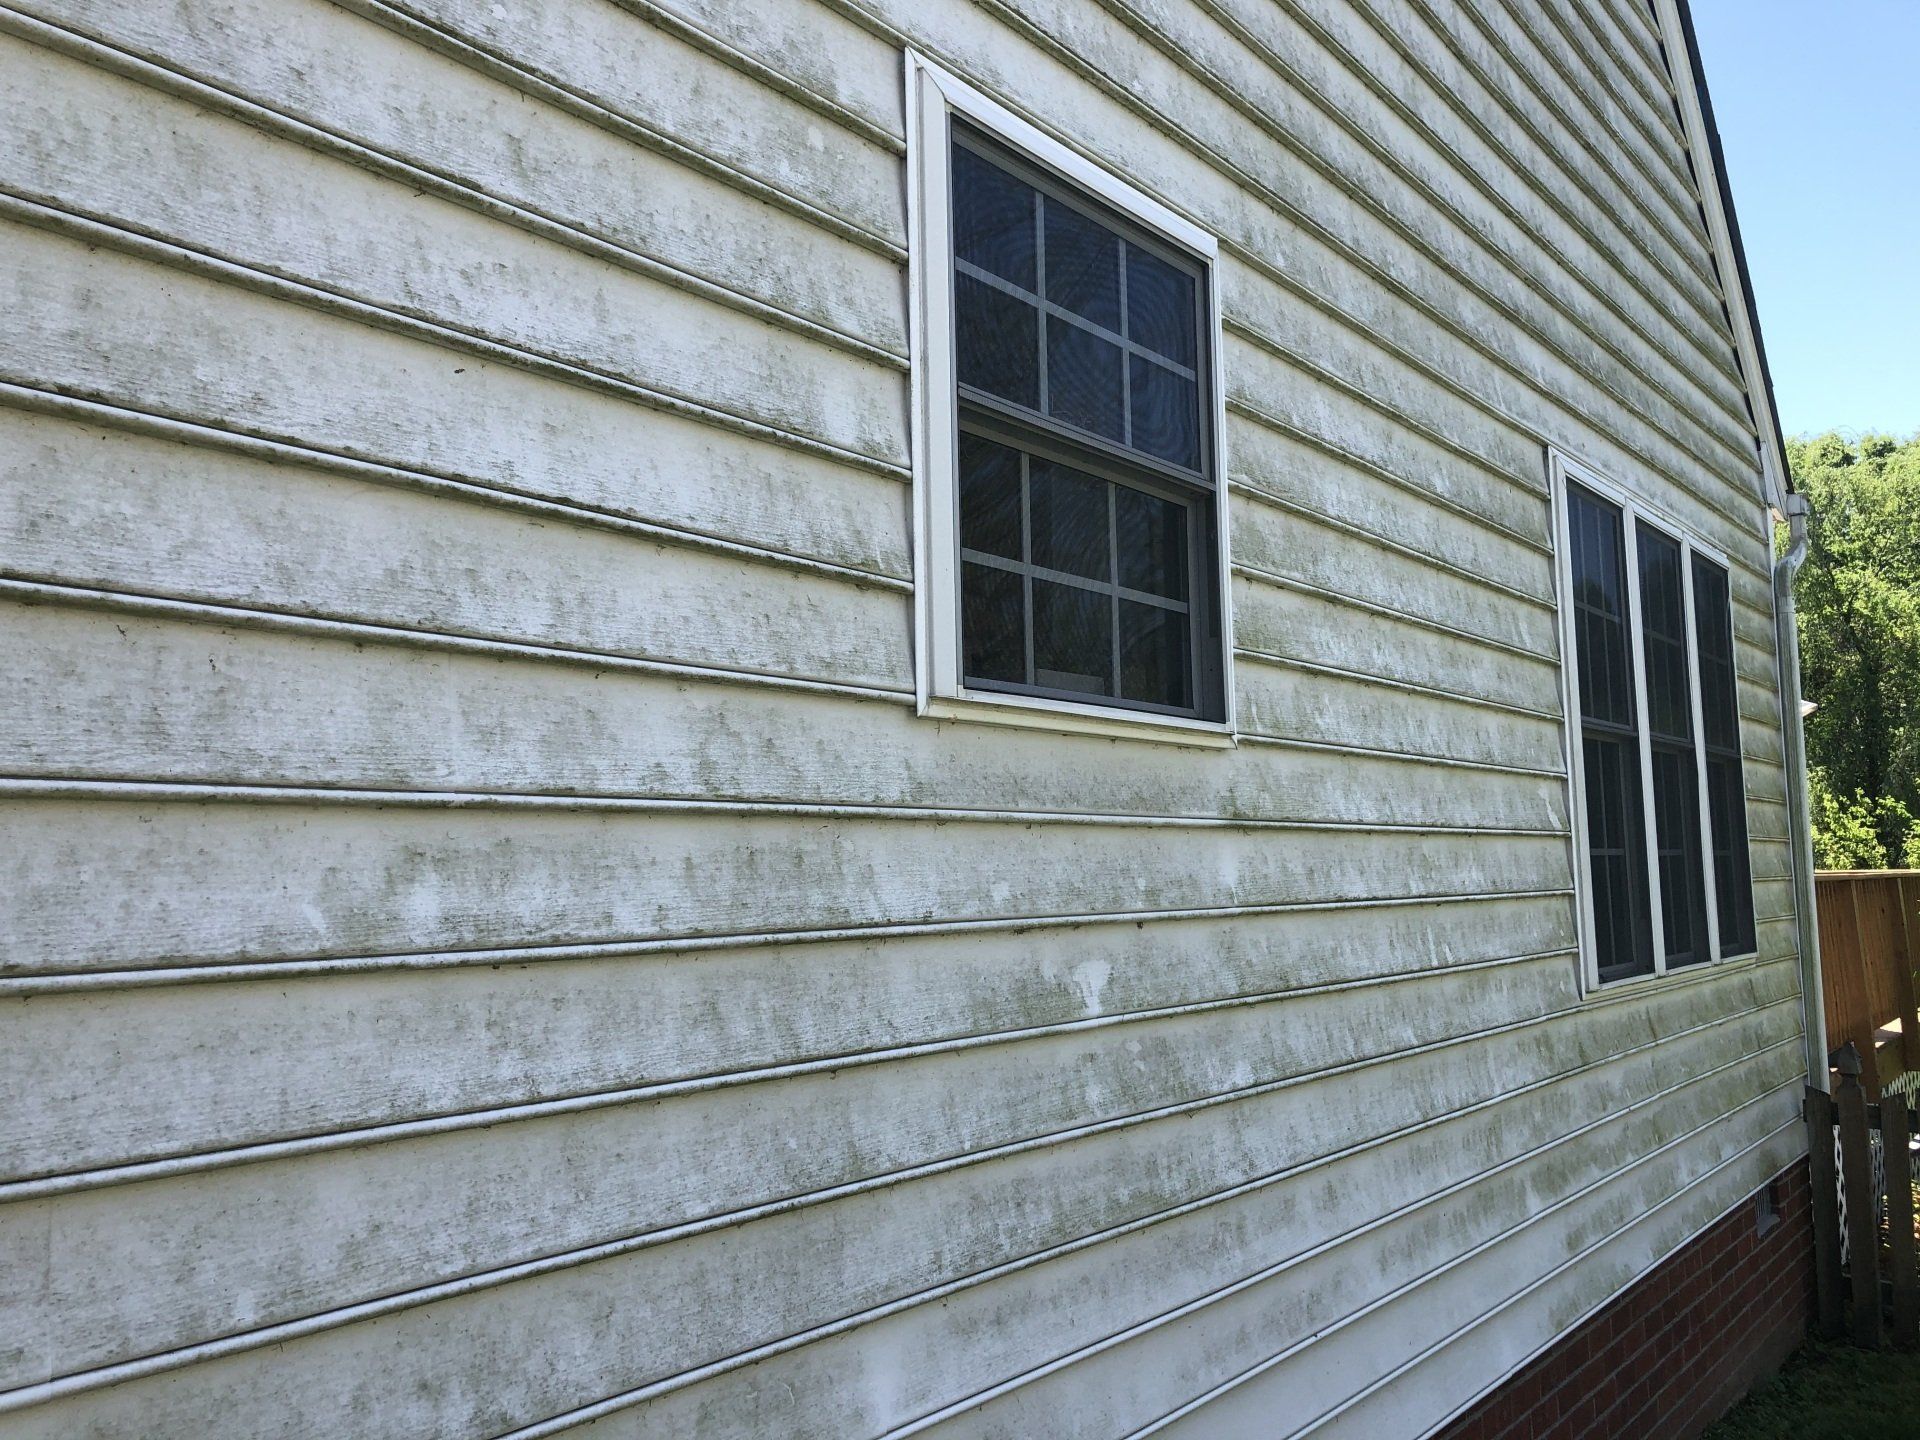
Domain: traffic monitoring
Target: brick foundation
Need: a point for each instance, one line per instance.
(1675, 1351)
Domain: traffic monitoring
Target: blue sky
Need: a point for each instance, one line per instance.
(1819, 110)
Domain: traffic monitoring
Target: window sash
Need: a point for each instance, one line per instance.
(1724, 874)
(1038, 434)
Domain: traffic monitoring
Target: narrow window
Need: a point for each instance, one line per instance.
(1086, 500)
(1609, 737)
(1726, 787)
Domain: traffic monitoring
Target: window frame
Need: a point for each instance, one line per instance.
(1565, 471)
(935, 100)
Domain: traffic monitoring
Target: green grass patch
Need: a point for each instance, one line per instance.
(1831, 1392)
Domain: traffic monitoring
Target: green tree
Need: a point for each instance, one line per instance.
(1858, 596)
(1849, 830)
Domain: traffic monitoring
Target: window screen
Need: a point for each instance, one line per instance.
(1676, 785)
(1726, 787)
(1609, 737)
(1086, 504)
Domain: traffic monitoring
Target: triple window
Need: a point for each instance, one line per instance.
(1659, 789)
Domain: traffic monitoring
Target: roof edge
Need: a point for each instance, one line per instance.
(1675, 20)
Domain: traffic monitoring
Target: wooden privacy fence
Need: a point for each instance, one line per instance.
(1869, 947)
(1867, 1210)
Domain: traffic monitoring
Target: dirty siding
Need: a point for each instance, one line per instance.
(490, 947)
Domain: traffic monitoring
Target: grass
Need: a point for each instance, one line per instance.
(1831, 1392)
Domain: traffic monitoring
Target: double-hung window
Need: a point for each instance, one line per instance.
(1070, 557)
(1660, 802)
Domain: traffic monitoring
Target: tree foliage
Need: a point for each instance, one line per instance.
(1858, 596)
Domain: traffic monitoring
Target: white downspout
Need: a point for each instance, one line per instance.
(1787, 651)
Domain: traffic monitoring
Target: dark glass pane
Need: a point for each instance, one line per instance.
(1072, 638)
(1733, 875)
(1153, 654)
(1726, 782)
(1083, 379)
(1069, 520)
(1083, 265)
(1713, 626)
(1617, 858)
(1600, 608)
(998, 341)
(1152, 536)
(994, 218)
(1161, 310)
(1166, 413)
(992, 626)
(1683, 890)
(1663, 636)
(989, 497)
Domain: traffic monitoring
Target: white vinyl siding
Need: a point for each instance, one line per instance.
(498, 932)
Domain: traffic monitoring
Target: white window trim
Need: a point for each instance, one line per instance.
(1562, 470)
(934, 96)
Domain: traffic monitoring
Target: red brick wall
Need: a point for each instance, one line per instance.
(1676, 1350)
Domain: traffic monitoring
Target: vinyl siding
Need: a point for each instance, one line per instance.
(490, 948)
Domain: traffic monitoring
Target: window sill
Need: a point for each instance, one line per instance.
(1613, 989)
(1098, 720)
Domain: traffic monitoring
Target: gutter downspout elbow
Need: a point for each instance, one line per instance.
(1787, 652)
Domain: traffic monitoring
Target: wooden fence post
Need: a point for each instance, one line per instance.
(1863, 1201)
(1863, 1037)
(1895, 1131)
(1908, 992)
(1829, 1307)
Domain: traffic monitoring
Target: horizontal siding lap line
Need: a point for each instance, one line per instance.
(467, 490)
(1744, 465)
(188, 792)
(691, 33)
(1248, 736)
(446, 337)
(317, 138)
(43, 1392)
(165, 607)
(1399, 1293)
(71, 1182)
(1247, 409)
(1636, 24)
(552, 91)
(70, 982)
(1678, 231)
(1310, 667)
(1383, 155)
(1201, 1303)
(1387, 612)
(1400, 418)
(1273, 500)
(34, 592)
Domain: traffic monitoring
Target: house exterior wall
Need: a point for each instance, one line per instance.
(1682, 1344)
(490, 947)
